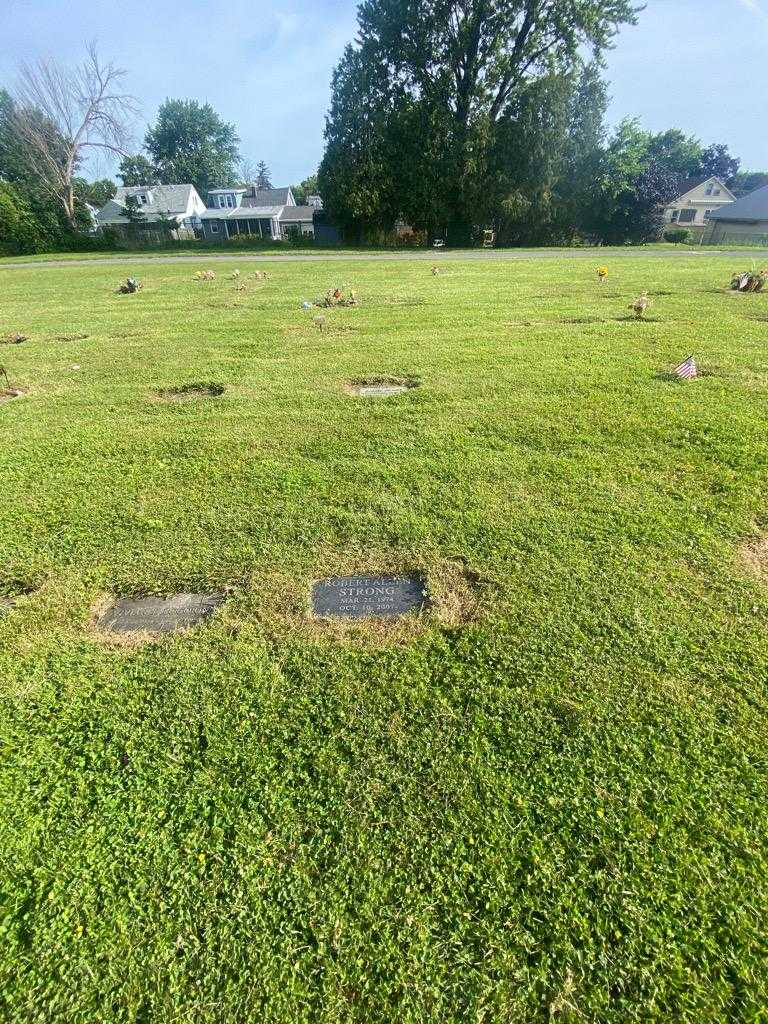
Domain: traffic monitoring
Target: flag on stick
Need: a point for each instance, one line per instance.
(687, 370)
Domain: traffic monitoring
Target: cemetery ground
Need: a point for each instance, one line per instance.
(542, 798)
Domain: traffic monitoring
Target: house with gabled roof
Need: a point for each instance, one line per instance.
(698, 198)
(268, 213)
(170, 207)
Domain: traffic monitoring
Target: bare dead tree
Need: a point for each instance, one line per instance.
(63, 114)
(246, 170)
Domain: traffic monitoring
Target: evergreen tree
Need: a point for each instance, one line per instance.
(263, 175)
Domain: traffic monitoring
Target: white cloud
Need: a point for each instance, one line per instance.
(754, 6)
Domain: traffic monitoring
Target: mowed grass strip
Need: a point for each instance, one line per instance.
(552, 810)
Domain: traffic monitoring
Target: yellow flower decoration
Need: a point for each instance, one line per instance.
(602, 273)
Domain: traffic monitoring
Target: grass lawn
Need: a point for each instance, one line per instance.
(542, 800)
(202, 249)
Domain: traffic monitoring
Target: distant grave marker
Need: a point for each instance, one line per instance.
(368, 597)
(380, 390)
(159, 614)
(380, 387)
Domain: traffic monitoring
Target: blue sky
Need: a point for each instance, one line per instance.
(699, 65)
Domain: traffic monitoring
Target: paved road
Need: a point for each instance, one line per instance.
(374, 257)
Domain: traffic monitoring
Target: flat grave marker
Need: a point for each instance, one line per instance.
(159, 614)
(368, 597)
(380, 390)
(380, 387)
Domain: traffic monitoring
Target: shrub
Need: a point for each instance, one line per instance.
(19, 231)
(676, 235)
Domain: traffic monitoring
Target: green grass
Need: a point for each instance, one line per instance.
(549, 808)
(279, 249)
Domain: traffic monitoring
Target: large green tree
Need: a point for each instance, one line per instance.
(717, 160)
(191, 143)
(97, 193)
(456, 69)
(32, 219)
(631, 187)
(19, 228)
(546, 156)
(745, 182)
(137, 170)
(679, 153)
(308, 187)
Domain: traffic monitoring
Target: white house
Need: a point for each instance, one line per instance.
(177, 206)
(698, 198)
(269, 213)
(745, 221)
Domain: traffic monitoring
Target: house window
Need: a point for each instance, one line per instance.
(140, 198)
(709, 190)
(717, 192)
(214, 228)
(687, 216)
(674, 215)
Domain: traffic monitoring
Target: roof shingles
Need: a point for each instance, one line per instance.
(753, 207)
(170, 200)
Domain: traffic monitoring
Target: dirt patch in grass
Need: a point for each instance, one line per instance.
(190, 392)
(8, 394)
(582, 320)
(12, 339)
(12, 591)
(753, 557)
(71, 337)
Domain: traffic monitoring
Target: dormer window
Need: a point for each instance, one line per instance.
(227, 200)
(141, 199)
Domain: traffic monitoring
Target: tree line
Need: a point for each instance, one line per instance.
(455, 116)
(57, 119)
(452, 116)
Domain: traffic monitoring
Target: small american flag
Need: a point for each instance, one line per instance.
(687, 370)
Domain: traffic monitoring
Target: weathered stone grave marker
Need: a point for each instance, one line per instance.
(380, 390)
(380, 387)
(368, 597)
(159, 614)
